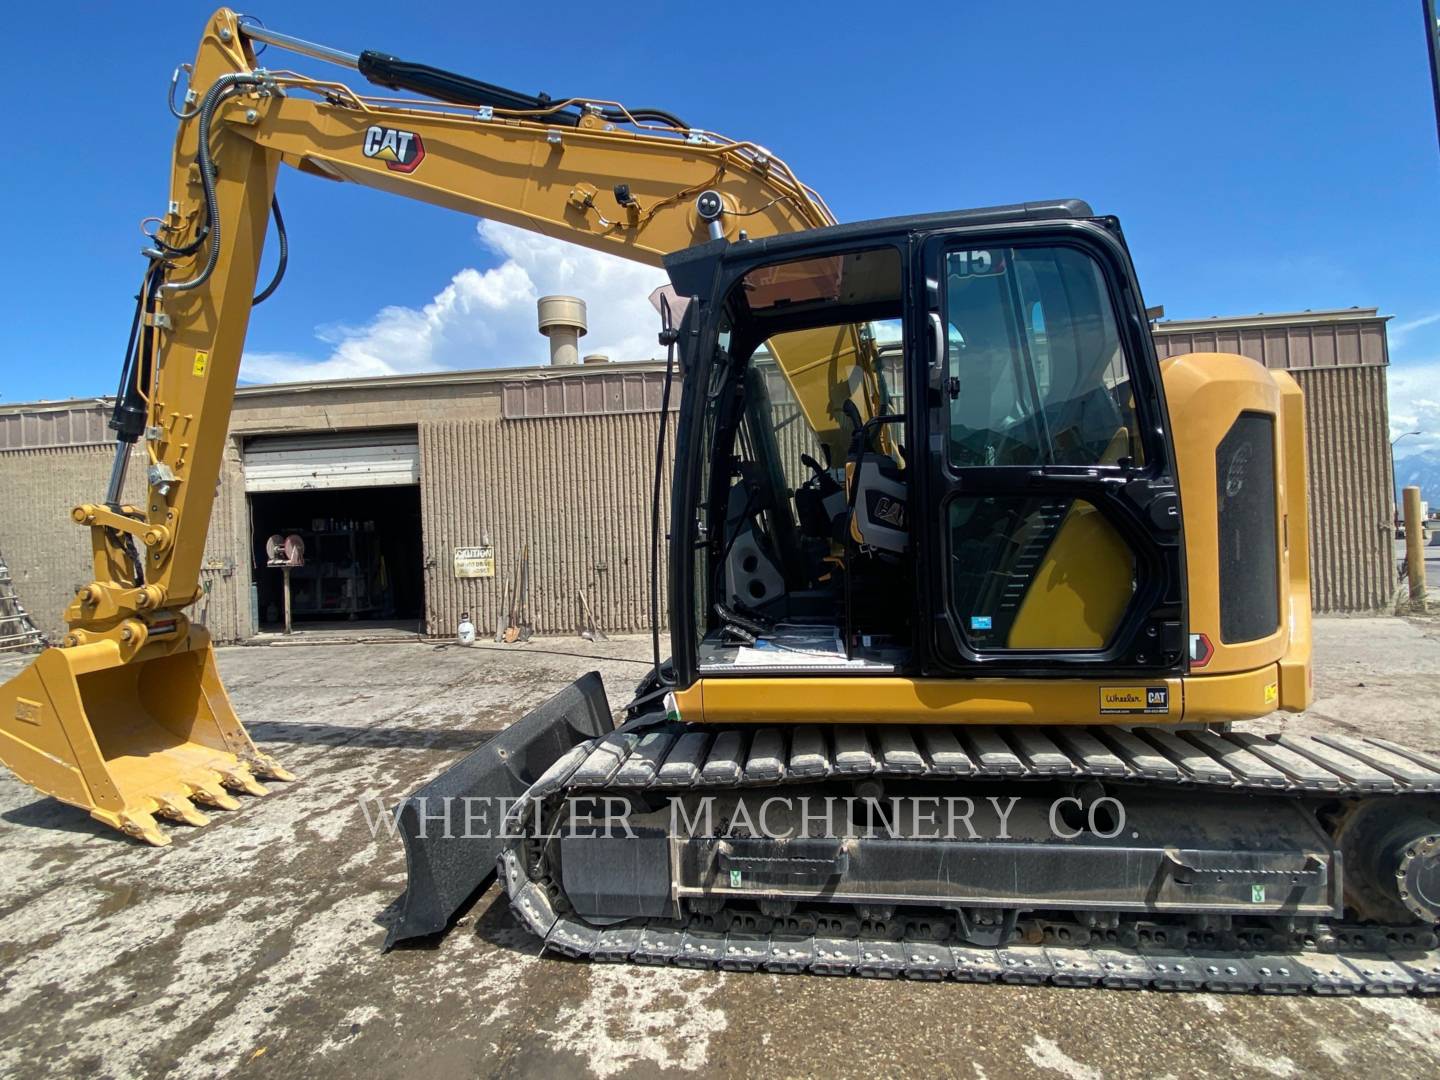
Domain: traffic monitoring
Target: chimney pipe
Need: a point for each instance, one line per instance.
(562, 320)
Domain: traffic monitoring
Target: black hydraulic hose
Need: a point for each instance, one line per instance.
(397, 74)
(220, 89)
(127, 364)
(284, 254)
(127, 419)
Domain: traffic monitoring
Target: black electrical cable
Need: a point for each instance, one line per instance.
(188, 249)
(668, 337)
(284, 254)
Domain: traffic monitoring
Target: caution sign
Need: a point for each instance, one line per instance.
(1144, 700)
(475, 562)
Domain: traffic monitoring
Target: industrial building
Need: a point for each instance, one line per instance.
(419, 496)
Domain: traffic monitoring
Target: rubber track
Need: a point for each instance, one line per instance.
(705, 758)
(691, 757)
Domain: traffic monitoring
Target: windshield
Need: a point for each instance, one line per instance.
(1038, 373)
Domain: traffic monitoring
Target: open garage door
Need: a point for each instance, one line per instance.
(353, 499)
(331, 460)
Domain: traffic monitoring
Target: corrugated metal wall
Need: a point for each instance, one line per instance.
(71, 424)
(576, 489)
(1351, 502)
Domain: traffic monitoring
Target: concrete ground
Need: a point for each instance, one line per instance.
(252, 946)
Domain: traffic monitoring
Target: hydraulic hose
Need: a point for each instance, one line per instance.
(222, 88)
(284, 254)
(386, 70)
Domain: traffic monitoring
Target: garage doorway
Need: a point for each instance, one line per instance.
(354, 500)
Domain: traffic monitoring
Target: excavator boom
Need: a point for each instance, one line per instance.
(128, 719)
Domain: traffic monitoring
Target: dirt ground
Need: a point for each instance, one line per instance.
(252, 946)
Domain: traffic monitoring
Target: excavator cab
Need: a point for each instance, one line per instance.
(1017, 438)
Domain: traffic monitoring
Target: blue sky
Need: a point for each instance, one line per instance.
(1262, 157)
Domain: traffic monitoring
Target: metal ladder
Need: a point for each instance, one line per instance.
(16, 629)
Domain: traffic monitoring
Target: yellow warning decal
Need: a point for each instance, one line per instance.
(1272, 693)
(202, 361)
(1134, 699)
(27, 710)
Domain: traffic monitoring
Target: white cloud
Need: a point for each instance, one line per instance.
(1415, 406)
(1400, 331)
(486, 319)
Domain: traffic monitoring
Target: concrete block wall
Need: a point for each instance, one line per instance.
(48, 554)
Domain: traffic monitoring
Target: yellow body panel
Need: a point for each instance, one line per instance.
(815, 699)
(1207, 392)
(1297, 688)
(811, 699)
(1080, 591)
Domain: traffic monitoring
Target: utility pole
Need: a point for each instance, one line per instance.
(1432, 41)
(1415, 549)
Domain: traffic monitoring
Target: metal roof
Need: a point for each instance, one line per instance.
(1281, 318)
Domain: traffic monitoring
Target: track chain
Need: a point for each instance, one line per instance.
(1028, 965)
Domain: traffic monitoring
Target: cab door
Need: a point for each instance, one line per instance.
(1053, 533)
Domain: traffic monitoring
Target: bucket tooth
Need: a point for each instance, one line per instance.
(208, 793)
(179, 808)
(139, 824)
(239, 779)
(267, 768)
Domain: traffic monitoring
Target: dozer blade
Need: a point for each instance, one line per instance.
(452, 827)
(130, 739)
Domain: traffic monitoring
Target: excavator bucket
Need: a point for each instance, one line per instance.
(131, 739)
(452, 826)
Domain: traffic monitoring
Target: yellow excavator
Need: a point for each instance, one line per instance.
(966, 589)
